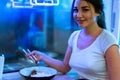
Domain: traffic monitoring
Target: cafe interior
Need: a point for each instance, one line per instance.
(44, 25)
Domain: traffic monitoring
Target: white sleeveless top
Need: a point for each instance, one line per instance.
(90, 62)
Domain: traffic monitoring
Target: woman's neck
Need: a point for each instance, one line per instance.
(93, 30)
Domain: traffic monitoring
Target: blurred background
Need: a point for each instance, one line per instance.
(43, 25)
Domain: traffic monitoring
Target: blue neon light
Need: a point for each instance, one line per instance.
(32, 3)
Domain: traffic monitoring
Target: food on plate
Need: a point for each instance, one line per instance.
(35, 73)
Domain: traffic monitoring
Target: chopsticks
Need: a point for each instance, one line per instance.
(33, 58)
(25, 52)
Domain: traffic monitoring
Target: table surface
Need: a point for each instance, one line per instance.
(17, 76)
(12, 76)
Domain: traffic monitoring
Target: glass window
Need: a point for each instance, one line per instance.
(119, 22)
(32, 28)
(116, 19)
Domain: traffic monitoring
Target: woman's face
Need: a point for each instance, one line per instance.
(84, 13)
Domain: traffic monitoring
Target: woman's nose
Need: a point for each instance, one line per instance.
(79, 14)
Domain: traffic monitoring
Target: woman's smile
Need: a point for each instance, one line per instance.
(81, 22)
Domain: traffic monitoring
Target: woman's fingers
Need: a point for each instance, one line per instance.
(33, 59)
(34, 56)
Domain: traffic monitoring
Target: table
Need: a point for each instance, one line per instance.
(12, 76)
(17, 76)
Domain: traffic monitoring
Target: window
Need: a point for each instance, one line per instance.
(116, 19)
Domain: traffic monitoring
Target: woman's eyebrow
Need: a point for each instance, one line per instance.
(85, 7)
(81, 7)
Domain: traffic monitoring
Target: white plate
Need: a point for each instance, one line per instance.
(47, 70)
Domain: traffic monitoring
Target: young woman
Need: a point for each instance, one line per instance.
(93, 51)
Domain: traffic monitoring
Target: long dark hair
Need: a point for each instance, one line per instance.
(98, 6)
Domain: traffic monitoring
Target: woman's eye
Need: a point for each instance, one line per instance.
(85, 10)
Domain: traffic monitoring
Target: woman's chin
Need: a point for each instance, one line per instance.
(82, 26)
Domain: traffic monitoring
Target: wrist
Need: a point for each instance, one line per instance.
(43, 56)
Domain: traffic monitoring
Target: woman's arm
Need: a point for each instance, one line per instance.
(113, 62)
(61, 66)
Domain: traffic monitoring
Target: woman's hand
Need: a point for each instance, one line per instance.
(35, 56)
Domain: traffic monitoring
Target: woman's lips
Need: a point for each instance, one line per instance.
(80, 21)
